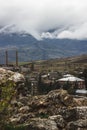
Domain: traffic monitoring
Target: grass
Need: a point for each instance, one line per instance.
(62, 64)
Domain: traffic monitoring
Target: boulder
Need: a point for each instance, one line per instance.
(80, 101)
(61, 96)
(77, 125)
(24, 109)
(17, 78)
(59, 121)
(42, 124)
(9, 75)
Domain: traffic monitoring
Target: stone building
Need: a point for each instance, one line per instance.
(73, 81)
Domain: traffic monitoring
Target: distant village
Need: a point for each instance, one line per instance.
(31, 91)
(41, 82)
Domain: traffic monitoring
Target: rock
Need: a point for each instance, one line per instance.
(81, 112)
(9, 75)
(20, 104)
(77, 125)
(21, 118)
(24, 109)
(4, 75)
(54, 111)
(61, 96)
(15, 119)
(23, 99)
(74, 113)
(17, 77)
(68, 114)
(59, 120)
(82, 101)
(42, 124)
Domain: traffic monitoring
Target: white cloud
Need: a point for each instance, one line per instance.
(37, 17)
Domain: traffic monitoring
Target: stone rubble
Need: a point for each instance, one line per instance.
(55, 111)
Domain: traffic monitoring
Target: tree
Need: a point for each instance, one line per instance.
(32, 66)
(7, 91)
(69, 87)
(85, 76)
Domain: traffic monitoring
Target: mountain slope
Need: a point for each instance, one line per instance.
(31, 49)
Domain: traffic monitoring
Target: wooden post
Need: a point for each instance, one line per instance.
(16, 58)
(6, 53)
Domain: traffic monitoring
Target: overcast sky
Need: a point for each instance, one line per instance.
(67, 18)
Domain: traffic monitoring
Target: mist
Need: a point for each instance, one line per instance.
(54, 19)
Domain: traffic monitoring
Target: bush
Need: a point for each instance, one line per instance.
(7, 91)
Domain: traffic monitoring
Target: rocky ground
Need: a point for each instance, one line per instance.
(55, 111)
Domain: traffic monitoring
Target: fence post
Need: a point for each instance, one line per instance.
(16, 58)
(6, 53)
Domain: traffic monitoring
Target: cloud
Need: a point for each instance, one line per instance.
(67, 18)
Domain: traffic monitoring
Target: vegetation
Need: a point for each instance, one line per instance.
(19, 127)
(32, 66)
(6, 93)
(45, 88)
(85, 77)
(71, 64)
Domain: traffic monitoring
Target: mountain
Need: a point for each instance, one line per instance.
(31, 49)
